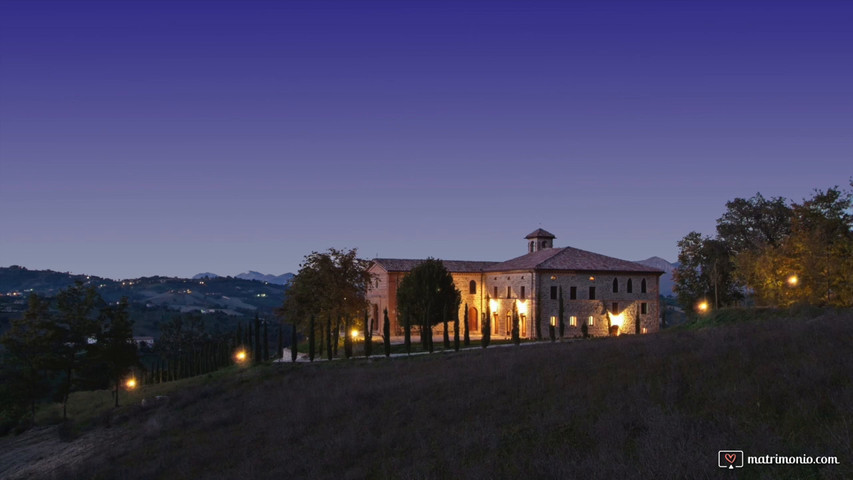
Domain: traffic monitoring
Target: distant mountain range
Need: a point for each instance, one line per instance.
(666, 280)
(282, 279)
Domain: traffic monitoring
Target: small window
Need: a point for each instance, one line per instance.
(590, 320)
(553, 321)
(554, 292)
(531, 246)
(592, 293)
(523, 294)
(553, 277)
(472, 287)
(573, 293)
(630, 287)
(644, 308)
(508, 291)
(614, 308)
(643, 286)
(573, 321)
(615, 285)
(645, 330)
(496, 291)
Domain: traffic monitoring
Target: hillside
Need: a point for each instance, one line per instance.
(152, 299)
(655, 406)
(666, 280)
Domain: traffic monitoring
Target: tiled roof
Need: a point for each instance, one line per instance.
(569, 258)
(454, 266)
(539, 233)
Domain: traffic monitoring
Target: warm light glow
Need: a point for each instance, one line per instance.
(240, 356)
(493, 305)
(793, 280)
(703, 306)
(354, 334)
(522, 308)
(130, 384)
(591, 279)
(617, 320)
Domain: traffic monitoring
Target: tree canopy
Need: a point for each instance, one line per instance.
(428, 295)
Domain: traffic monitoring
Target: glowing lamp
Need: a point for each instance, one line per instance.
(702, 307)
(354, 334)
(240, 356)
(793, 280)
(130, 384)
(522, 308)
(493, 305)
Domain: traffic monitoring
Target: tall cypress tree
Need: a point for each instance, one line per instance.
(266, 346)
(456, 331)
(347, 338)
(311, 340)
(562, 312)
(368, 336)
(516, 334)
(386, 333)
(280, 352)
(446, 332)
(293, 342)
(407, 333)
(329, 353)
(637, 321)
(538, 320)
(467, 339)
(487, 325)
(257, 355)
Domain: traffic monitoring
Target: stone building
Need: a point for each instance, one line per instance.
(607, 294)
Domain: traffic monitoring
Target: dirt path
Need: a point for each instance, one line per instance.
(38, 452)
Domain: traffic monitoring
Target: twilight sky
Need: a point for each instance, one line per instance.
(172, 138)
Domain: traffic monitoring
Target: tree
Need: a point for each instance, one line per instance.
(516, 334)
(487, 327)
(446, 331)
(467, 339)
(29, 353)
(705, 271)
(115, 343)
(562, 312)
(258, 356)
(386, 332)
(407, 333)
(755, 223)
(538, 314)
(368, 336)
(456, 331)
(293, 342)
(311, 339)
(266, 341)
(427, 293)
(75, 323)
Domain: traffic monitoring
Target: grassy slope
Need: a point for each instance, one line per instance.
(657, 406)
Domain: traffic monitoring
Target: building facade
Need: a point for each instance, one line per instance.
(608, 295)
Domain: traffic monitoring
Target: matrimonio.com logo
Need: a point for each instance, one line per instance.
(730, 459)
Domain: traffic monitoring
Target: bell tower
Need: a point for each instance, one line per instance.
(539, 240)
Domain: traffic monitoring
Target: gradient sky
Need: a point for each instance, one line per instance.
(172, 138)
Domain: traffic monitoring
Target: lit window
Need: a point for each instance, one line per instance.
(553, 321)
(553, 277)
(573, 321)
(645, 330)
(590, 321)
(591, 279)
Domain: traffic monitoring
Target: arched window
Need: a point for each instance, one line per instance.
(472, 287)
(531, 246)
(630, 287)
(643, 286)
(615, 285)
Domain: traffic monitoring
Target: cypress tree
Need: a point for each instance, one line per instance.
(311, 339)
(467, 340)
(329, 336)
(446, 332)
(538, 320)
(257, 355)
(293, 342)
(637, 321)
(407, 332)
(456, 331)
(562, 312)
(368, 336)
(266, 344)
(516, 334)
(386, 333)
(487, 325)
(585, 330)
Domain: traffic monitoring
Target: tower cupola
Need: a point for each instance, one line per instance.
(539, 239)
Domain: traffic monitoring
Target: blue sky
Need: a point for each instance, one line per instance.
(143, 138)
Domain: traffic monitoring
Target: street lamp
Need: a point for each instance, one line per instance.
(702, 306)
(793, 281)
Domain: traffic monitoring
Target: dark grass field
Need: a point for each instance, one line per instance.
(655, 406)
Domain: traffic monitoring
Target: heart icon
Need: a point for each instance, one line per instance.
(731, 457)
